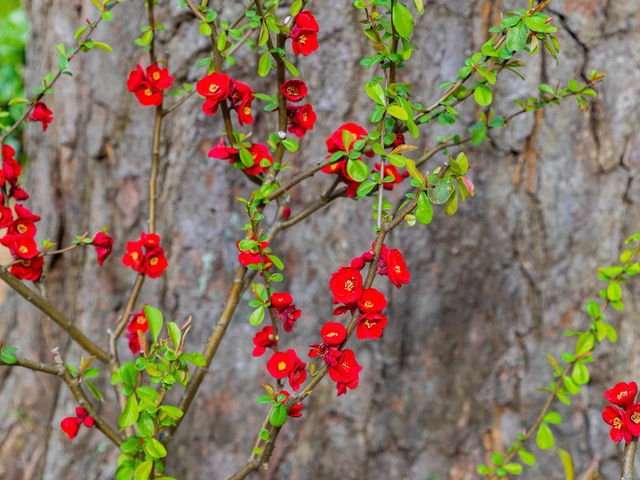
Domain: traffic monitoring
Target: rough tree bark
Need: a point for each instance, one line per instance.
(456, 373)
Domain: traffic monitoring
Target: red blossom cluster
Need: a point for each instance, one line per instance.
(335, 143)
(145, 255)
(624, 424)
(41, 113)
(296, 408)
(148, 85)
(285, 309)
(304, 34)
(262, 159)
(252, 258)
(21, 229)
(137, 327)
(300, 119)
(287, 365)
(103, 244)
(70, 425)
(217, 87)
(390, 170)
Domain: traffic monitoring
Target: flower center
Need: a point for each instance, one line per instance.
(302, 39)
(331, 334)
(23, 249)
(246, 110)
(635, 417)
(153, 261)
(291, 90)
(348, 285)
(134, 256)
(21, 228)
(156, 75)
(397, 270)
(148, 92)
(368, 304)
(213, 88)
(622, 395)
(282, 366)
(617, 423)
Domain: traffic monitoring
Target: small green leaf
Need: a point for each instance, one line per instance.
(103, 46)
(365, 187)
(585, 343)
(173, 412)
(154, 318)
(580, 373)
(174, 334)
(483, 95)
(92, 372)
(488, 75)
(357, 170)
(18, 101)
(264, 434)
(567, 463)
(452, 204)
(552, 417)
(95, 391)
(544, 437)
(419, 6)
(145, 425)
(278, 416)
(424, 210)
(143, 470)
(514, 468)
(375, 91)
(571, 386)
(264, 65)
(290, 145)
(527, 457)
(205, 29)
(154, 448)
(397, 111)
(614, 292)
(402, 20)
(517, 37)
(257, 316)
(129, 415)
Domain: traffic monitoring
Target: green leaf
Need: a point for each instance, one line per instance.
(527, 457)
(145, 425)
(195, 358)
(291, 67)
(205, 29)
(544, 437)
(593, 308)
(419, 6)
(452, 204)
(130, 445)
(552, 417)
(397, 111)
(174, 334)
(92, 372)
(278, 416)
(173, 412)
(143, 470)
(290, 145)
(424, 210)
(18, 101)
(124, 471)
(570, 385)
(154, 448)
(129, 374)
(79, 32)
(103, 46)
(487, 75)
(222, 41)
(95, 391)
(365, 187)
(154, 318)
(357, 170)
(129, 415)
(580, 373)
(108, 15)
(295, 7)
(375, 91)
(482, 469)
(585, 343)
(257, 316)
(514, 468)
(402, 20)
(496, 458)
(459, 165)
(483, 95)
(264, 65)
(614, 292)
(567, 463)
(517, 37)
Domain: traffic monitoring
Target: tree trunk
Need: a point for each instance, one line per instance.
(492, 289)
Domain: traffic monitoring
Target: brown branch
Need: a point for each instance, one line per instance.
(184, 98)
(49, 310)
(35, 366)
(628, 458)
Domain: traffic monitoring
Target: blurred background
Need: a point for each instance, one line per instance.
(457, 373)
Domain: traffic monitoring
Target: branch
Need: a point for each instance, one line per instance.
(35, 366)
(628, 458)
(49, 310)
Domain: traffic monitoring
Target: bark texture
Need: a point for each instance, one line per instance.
(456, 375)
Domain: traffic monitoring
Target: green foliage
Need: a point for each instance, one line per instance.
(14, 30)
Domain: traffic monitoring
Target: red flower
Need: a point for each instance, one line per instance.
(346, 285)
(335, 143)
(333, 333)
(41, 114)
(223, 152)
(390, 170)
(370, 325)
(300, 119)
(70, 426)
(134, 342)
(7, 152)
(396, 266)
(304, 34)
(28, 269)
(11, 169)
(215, 88)
(281, 364)
(262, 159)
(241, 93)
(294, 90)
(254, 255)
(281, 300)
(614, 417)
(134, 257)
(286, 213)
(6, 216)
(148, 87)
(152, 261)
(288, 316)
(155, 263)
(372, 301)
(296, 408)
(623, 394)
(16, 192)
(298, 374)
(264, 339)
(138, 322)
(103, 244)
(398, 140)
(20, 246)
(632, 419)
(346, 373)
